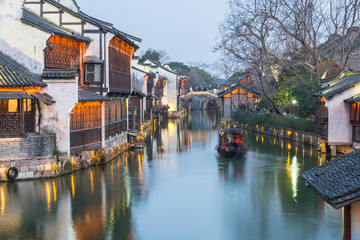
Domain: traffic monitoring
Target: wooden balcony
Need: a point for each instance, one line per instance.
(119, 82)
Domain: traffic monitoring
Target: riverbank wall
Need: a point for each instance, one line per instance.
(36, 156)
(284, 133)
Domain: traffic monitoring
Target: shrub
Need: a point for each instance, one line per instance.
(289, 122)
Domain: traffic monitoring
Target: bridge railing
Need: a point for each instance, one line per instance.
(198, 93)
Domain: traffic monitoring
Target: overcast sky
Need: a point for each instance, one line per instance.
(186, 29)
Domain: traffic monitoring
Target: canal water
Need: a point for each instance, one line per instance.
(178, 188)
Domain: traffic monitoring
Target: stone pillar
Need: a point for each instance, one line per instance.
(333, 150)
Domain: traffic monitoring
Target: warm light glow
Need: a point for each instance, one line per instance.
(140, 169)
(48, 196)
(13, 105)
(48, 166)
(289, 146)
(54, 192)
(2, 198)
(72, 186)
(55, 166)
(92, 182)
(289, 133)
(172, 107)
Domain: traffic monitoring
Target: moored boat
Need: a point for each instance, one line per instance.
(231, 142)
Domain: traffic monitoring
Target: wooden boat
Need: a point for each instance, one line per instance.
(231, 142)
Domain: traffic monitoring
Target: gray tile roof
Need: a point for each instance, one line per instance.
(353, 99)
(43, 97)
(13, 74)
(338, 85)
(38, 22)
(59, 73)
(338, 181)
(85, 96)
(15, 95)
(104, 25)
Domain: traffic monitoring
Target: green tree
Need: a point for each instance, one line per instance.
(197, 75)
(159, 57)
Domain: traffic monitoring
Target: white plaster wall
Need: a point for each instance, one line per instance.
(67, 17)
(69, 4)
(137, 80)
(26, 50)
(93, 48)
(33, 8)
(170, 94)
(107, 38)
(56, 117)
(54, 18)
(340, 130)
(227, 108)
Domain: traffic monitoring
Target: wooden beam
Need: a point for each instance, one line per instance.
(32, 2)
(347, 222)
(72, 23)
(91, 31)
(51, 12)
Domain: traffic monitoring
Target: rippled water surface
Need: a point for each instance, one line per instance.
(178, 188)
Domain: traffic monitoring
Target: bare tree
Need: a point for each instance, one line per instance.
(270, 36)
(246, 35)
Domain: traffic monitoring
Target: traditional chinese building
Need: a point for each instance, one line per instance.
(338, 111)
(239, 96)
(337, 183)
(82, 69)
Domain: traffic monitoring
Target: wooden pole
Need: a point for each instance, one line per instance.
(347, 222)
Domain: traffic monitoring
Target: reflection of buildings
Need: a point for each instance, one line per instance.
(266, 186)
(92, 204)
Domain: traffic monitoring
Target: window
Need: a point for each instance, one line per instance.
(355, 113)
(28, 105)
(13, 106)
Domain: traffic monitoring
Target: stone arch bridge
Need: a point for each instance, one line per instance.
(200, 100)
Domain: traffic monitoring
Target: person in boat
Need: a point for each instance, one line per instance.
(237, 141)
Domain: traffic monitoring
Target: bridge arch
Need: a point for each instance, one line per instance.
(200, 100)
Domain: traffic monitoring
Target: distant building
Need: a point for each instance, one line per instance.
(239, 96)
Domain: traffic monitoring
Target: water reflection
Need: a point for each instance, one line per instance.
(178, 188)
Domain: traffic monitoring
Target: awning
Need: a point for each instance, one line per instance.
(14, 95)
(85, 96)
(140, 94)
(43, 97)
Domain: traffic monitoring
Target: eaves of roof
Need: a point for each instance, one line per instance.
(86, 96)
(99, 23)
(42, 24)
(338, 85)
(13, 74)
(251, 90)
(337, 182)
